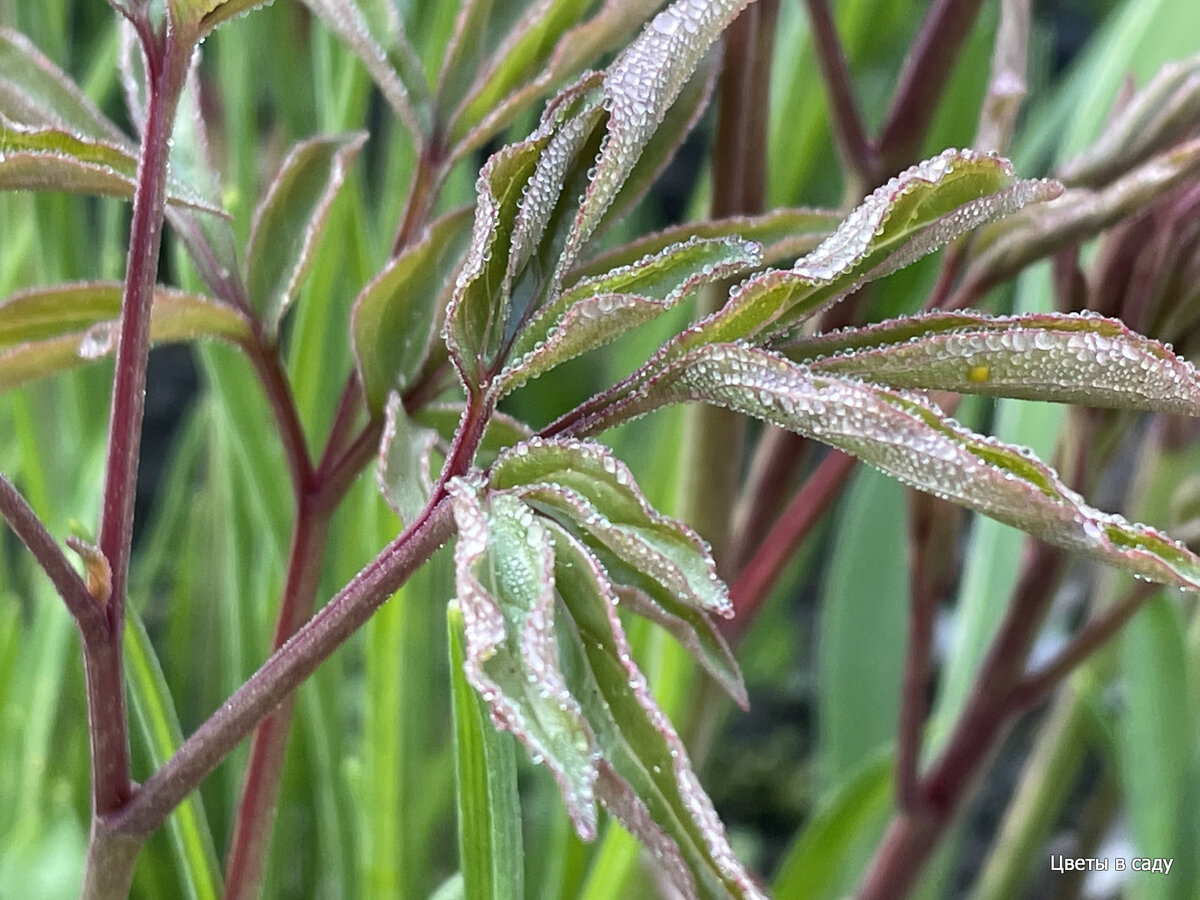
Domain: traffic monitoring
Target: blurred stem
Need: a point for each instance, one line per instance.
(713, 437)
(111, 858)
(777, 457)
(810, 503)
(923, 80)
(913, 833)
(1007, 84)
(848, 126)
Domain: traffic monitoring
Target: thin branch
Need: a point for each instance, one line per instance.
(283, 673)
(777, 458)
(1007, 85)
(278, 391)
(924, 79)
(846, 118)
(83, 607)
(1096, 632)
(810, 503)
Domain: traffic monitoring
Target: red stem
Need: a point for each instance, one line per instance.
(847, 121)
(810, 503)
(105, 683)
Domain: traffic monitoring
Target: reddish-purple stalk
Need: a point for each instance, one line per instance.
(810, 503)
(915, 829)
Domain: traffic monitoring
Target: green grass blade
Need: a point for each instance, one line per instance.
(489, 811)
(191, 840)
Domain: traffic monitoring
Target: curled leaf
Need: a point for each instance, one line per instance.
(906, 437)
(1084, 359)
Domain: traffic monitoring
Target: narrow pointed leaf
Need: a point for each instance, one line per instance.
(478, 312)
(783, 234)
(914, 214)
(48, 159)
(1164, 111)
(35, 93)
(582, 485)
(1081, 359)
(395, 316)
(490, 849)
(578, 47)
(646, 778)
(388, 60)
(518, 59)
(290, 221)
(906, 437)
(48, 330)
(403, 470)
(504, 573)
(601, 309)
(639, 87)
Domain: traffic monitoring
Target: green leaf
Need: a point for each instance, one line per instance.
(490, 848)
(502, 432)
(476, 318)
(645, 777)
(576, 48)
(35, 93)
(783, 234)
(48, 159)
(827, 859)
(518, 59)
(580, 483)
(150, 697)
(906, 437)
(600, 309)
(504, 572)
(199, 17)
(395, 316)
(290, 221)
(659, 566)
(1156, 742)
(1082, 359)
(48, 330)
(915, 213)
(378, 40)
(403, 467)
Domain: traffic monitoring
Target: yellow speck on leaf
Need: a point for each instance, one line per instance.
(977, 374)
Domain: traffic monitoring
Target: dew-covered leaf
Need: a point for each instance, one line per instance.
(504, 575)
(37, 94)
(477, 316)
(375, 36)
(1081, 359)
(584, 486)
(1164, 111)
(395, 316)
(600, 309)
(48, 330)
(646, 779)
(915, 213)
(783, 234)
(48, 159)
(578, 47)
(290, 221)
(639, 87)
(906, 437)
(518, 59)
(403, 470)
